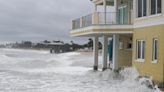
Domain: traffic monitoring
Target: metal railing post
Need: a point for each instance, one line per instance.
(73, 26)
(81, 22)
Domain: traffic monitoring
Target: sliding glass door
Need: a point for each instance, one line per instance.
(122, 15)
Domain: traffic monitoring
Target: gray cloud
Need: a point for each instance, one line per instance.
(39, 19)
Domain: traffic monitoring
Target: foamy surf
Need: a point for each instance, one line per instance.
(39, 71)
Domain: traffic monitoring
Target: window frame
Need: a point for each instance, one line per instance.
(155, 51)
(142, 55)
(142, 10)
(156, 8)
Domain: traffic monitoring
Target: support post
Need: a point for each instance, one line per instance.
(115, 5)
(105, 52)
(115, 51)
(95, 52)
(116, 8)
(105, 10)
(95, 10)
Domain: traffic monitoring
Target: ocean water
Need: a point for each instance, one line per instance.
(39, 71)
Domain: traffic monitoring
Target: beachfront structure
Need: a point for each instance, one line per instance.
(58, 47)
(135, 31)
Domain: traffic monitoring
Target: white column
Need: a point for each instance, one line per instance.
(95, 8)
(115, 51)
(105, 52)
(115, 7)
(95, 52)
(105, 10)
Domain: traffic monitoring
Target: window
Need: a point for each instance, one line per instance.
(142, 8)
(155, 50)
(140, 49)
(121, 45)
(155, 7)
(139, 8)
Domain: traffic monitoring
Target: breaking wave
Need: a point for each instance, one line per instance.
(39, 71)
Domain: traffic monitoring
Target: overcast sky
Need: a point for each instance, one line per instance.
(37, 20)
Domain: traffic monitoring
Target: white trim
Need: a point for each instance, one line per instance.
(105, 27)
(149, 23)
(141, 59)
(114, 27)
(96, 33)
(150, 16)
(154, 62)
(153, 51)
(101, 28)
(156, 15)
(114, 32)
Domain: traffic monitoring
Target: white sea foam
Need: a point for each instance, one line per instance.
(130, 73)
(39, 71)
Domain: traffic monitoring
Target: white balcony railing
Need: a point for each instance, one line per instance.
(102, 18)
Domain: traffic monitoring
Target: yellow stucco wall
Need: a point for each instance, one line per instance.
(125, 54)
(147, 68)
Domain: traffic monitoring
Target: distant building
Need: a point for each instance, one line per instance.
(58, 47)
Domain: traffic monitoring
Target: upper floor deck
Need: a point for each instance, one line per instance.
(103, 19)
(127, 15)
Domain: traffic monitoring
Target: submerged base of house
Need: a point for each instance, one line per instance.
(143, 49)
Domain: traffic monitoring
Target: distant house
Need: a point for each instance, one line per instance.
(136, 28)
(58, 47)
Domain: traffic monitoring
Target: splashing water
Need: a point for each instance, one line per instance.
(39, 71)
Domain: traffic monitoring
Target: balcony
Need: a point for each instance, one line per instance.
(102, 19)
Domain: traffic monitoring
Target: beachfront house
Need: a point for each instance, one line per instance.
(133, 34)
